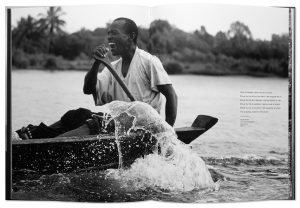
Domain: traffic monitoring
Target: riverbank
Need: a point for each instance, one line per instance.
(217, 67)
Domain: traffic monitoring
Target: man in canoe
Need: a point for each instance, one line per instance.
(142, 73)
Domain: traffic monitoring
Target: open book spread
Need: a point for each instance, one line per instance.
(179, 103)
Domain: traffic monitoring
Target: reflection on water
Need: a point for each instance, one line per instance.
(249, 163)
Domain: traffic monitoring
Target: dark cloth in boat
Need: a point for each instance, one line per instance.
(40, 131)
(72, 119)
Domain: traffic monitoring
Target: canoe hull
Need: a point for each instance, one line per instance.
(94, 152)
(77, 153)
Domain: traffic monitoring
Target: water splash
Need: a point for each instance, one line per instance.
(172, 166)
(119, 151)
(155, 171)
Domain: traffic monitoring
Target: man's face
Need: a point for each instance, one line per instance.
(118, 40)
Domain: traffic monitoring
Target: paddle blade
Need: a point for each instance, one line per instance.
(203, 121)
(200, 125)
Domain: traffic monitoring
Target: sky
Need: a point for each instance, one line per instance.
(262, 21)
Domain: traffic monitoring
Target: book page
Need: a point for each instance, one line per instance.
(225, 67)
(223, 73)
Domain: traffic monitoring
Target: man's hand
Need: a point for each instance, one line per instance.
(100, 52)
(90, 79)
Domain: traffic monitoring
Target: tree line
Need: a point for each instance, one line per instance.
(42, 43)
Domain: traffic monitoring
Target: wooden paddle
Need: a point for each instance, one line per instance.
(106, 62)
(200, 125)
(185, 134)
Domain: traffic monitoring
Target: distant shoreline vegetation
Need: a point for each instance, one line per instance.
(42, 44)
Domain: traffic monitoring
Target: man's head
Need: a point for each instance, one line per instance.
(122, 35)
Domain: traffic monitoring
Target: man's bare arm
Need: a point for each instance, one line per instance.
(90, 79)
(171, 102)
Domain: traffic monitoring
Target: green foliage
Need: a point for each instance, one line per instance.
(51, 24)
(41, 43)
(239, 30)
(19, 59)
(50, 63)
(173, 67)
(68, 46)
(27, 36)
(143, 38)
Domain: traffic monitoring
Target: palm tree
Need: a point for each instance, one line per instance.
(26, 35)
(25, 28)
(51, 23)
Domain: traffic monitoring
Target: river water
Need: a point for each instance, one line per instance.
(248, 162)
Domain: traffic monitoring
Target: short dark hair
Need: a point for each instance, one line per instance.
(129, 27)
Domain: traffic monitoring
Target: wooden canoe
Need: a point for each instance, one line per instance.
(67, 154)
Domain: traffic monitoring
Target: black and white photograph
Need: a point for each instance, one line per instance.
(185, 103)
